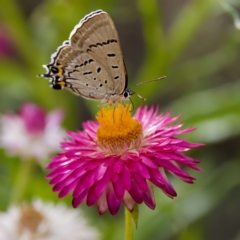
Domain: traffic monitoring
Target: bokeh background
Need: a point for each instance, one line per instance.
(196, 44)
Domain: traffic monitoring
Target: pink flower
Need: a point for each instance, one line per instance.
(118, 159)
(32, 134)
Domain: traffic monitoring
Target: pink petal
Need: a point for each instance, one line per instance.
(128, 201)
(66, 181)
(136, 193)
(56, 188)
(117, 166)
(147, 161)
(125, 176)
(102, 204)
(78, 200)
(95, 175)
(91, 164)
(148, 198)
(97, 189)
(119, 189)
(141, 182)
(142, 169)
(114, 176)
(67, 189)
(176, 170)
(57, 179)
(80, 185)
(113, 202)
(159, 178)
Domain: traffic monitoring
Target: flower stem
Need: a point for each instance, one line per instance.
(128, 225)
(21, 181)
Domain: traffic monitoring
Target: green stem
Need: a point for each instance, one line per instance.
(128, 225)
(21, 181)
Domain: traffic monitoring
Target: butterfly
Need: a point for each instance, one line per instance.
(90, 63)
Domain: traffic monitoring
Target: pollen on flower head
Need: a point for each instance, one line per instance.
(118, 129)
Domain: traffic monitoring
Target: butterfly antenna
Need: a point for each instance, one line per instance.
(132, 105)
(132, 92)
(154, 80)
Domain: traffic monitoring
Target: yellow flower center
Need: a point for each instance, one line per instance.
(118, 131)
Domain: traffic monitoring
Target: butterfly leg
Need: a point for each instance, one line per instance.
(123, 106)
(114, 107)
(132, 104)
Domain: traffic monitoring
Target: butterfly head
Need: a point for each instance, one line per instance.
(55, 73)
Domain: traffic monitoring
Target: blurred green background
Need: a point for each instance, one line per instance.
(196, 44)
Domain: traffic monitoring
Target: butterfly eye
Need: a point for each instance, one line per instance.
(57, 86)
(54, 70)
(126, 94)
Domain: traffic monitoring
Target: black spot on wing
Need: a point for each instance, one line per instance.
(69, 73)
(111, 55)
(87, 73)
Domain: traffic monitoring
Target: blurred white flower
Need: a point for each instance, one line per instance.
(45, 221)
(31, 134)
